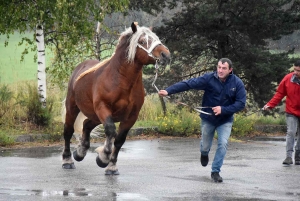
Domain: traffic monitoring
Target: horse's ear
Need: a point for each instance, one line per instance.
(134, 26)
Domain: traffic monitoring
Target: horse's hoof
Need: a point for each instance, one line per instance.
(77, 157)
(68, 166)
(100, 163)
(110, 172)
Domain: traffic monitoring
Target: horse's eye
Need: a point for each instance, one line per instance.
(142, 42)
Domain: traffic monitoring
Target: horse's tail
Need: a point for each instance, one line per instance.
(78, 122)
(63, 111)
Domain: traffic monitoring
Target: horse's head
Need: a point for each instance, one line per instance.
(146, 47)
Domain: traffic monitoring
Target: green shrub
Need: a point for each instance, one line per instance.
(55, 129)
(6, 96)
(278, 119)
(242, 125)
(35, 111)
(179, 122)
(6, 140)
(151, 108)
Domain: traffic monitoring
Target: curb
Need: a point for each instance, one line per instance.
(32, 137)
(95, 134)
(99, 133)
(265, 138)
(271, 128)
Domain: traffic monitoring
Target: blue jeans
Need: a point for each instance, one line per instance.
(292, 123)
(207, 136)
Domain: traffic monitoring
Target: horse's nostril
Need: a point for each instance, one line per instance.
(164, 59)
(163, 55)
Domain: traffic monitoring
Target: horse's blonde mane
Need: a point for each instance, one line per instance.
(92, 69)
(131, 50)
(134, 39)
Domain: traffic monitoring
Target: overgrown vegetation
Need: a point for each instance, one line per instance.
(178, 121)
(22, 113)
(181, 121)
(243, 125)
(277, 120)
(35, 111)
(5, 140)
(5, 98)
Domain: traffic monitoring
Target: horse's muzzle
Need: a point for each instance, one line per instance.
(164, 59)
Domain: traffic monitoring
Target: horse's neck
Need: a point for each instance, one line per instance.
(129, 72)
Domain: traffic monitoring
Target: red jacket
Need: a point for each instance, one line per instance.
(292, 92)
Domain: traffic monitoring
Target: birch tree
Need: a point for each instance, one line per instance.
(41, 72)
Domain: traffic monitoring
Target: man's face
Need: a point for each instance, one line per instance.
(297, 71)
(223, 70)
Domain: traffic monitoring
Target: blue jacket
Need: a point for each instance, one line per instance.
(230, 95)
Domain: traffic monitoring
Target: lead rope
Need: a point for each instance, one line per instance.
(155, 77)
(181, 103)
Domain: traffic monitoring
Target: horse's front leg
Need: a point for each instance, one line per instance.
(104, 152)
(120, 139)
(84, 144)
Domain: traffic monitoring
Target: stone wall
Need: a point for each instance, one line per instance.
(270, 128)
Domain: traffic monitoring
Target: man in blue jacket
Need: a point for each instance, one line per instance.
(224, 95)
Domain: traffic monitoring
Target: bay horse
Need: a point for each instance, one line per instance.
(110, 91)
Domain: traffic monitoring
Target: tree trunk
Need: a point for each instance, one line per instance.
(98, 45)
(41, 73)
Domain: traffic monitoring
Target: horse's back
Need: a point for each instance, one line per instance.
(81, 68)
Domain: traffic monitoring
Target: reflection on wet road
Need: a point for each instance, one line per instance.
(151, 170)
(71, 193)
(34, 152)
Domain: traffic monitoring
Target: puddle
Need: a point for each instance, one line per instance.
(33, 152)
(293, 194)
(80, 192)
(129, 196)
(24, 192)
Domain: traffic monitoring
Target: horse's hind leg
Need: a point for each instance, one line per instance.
(84, 145)
(68, 132)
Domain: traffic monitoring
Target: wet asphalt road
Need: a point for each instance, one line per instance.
(155, 170)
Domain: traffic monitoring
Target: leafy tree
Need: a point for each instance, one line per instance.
(69, 27)
(201, 32)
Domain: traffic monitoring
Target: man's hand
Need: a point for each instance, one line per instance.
(163, 93)
(217, 110)
(266, 107)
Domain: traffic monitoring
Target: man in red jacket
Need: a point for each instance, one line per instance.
(290, 87)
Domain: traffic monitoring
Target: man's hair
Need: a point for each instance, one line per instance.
(297, 63)
(223, 60)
